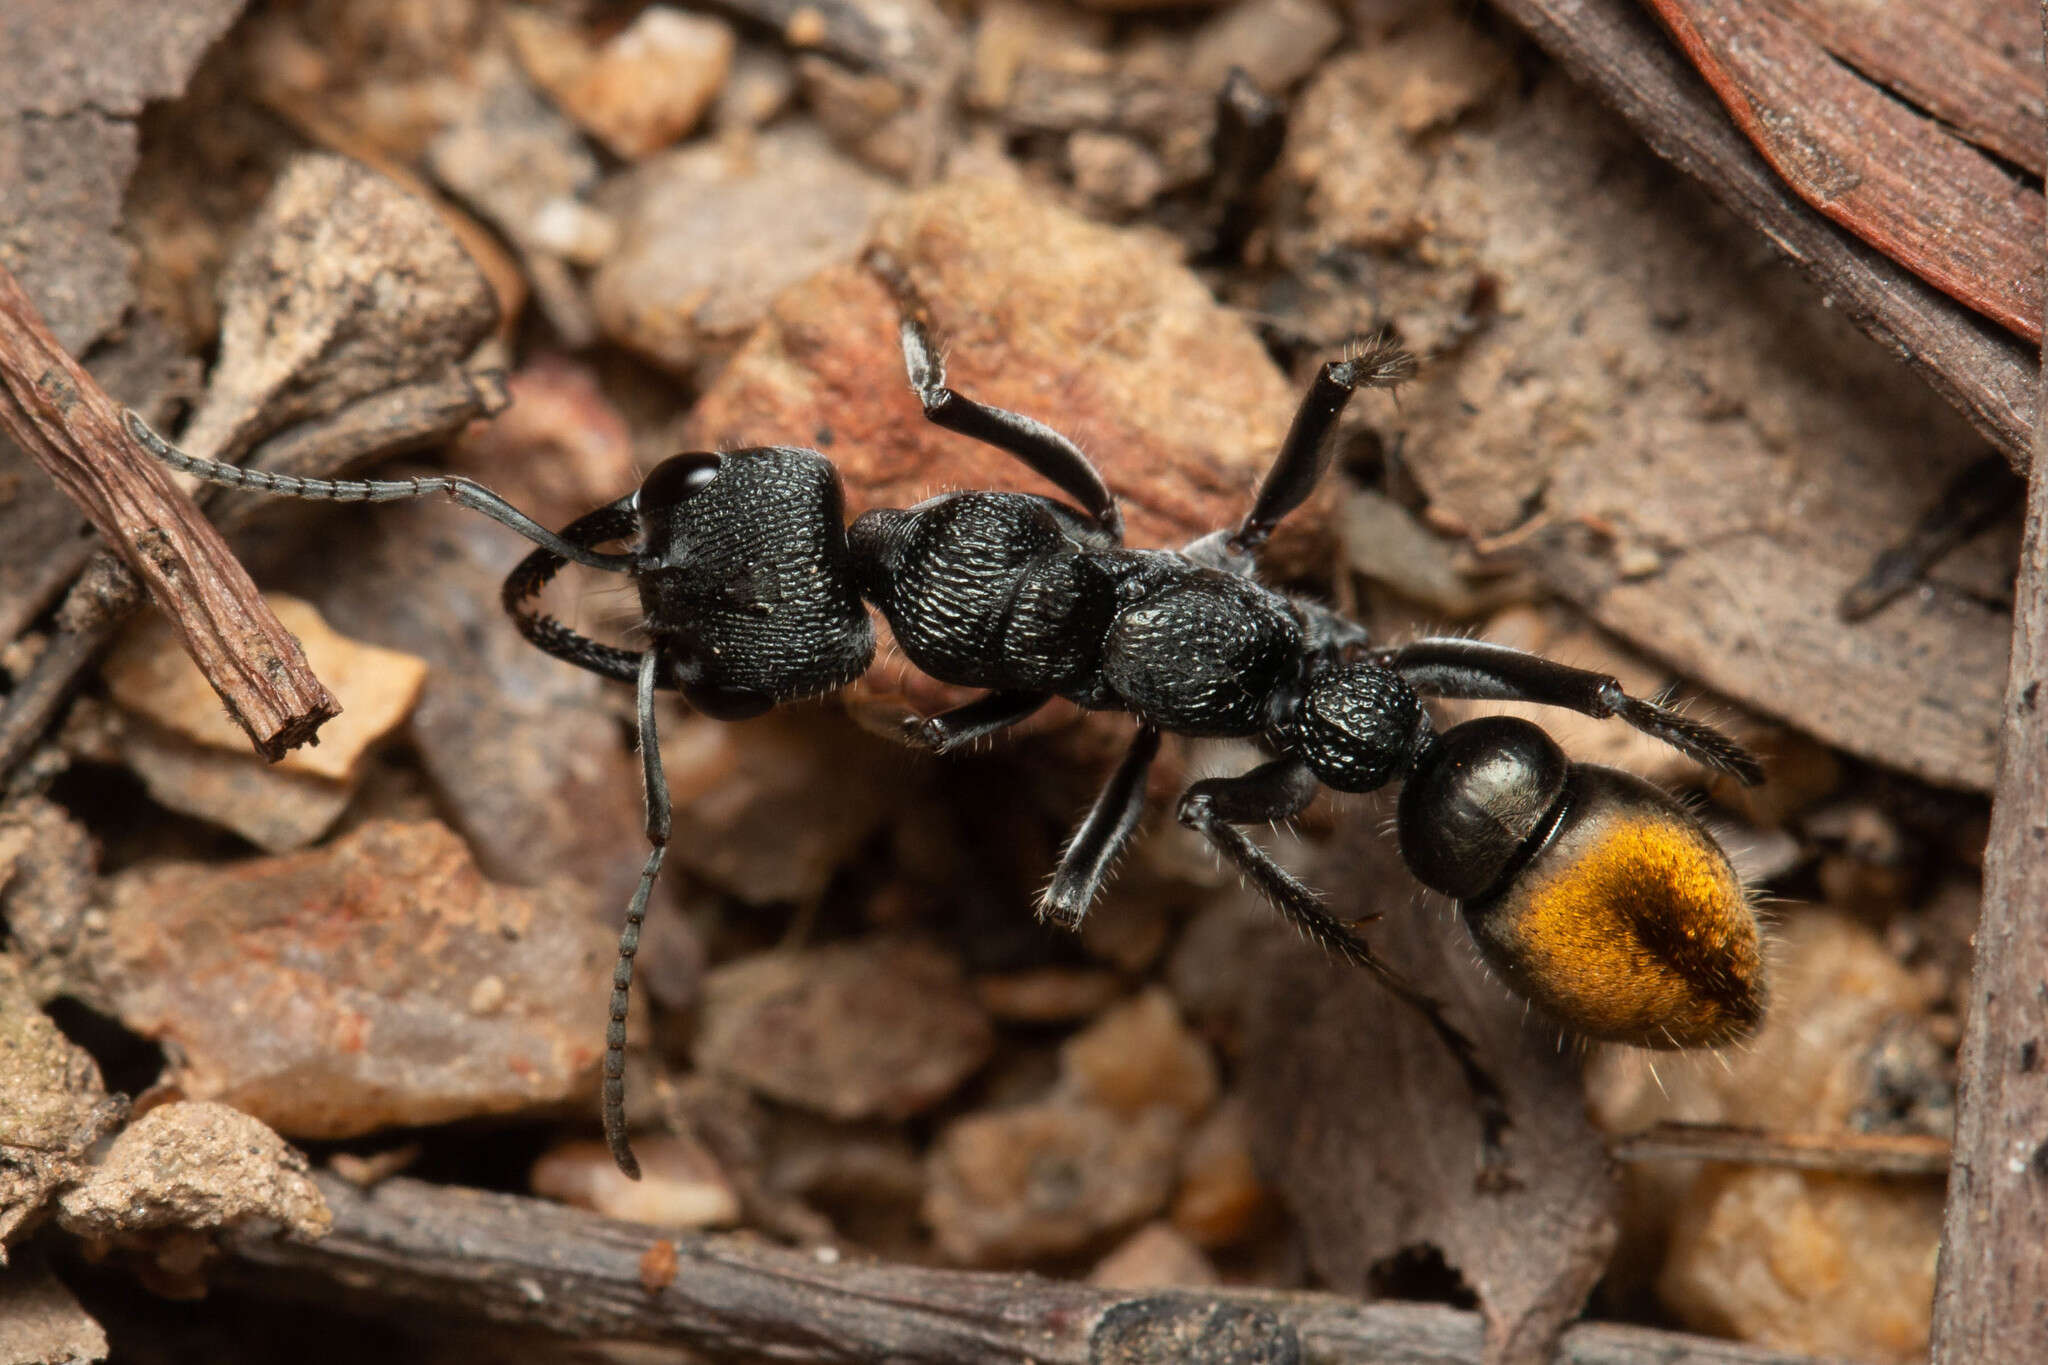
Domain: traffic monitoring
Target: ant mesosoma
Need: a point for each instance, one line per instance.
(1596, 894)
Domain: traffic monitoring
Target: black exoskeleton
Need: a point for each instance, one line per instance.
(1597, 895)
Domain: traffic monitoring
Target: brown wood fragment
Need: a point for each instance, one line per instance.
(1615, 49)
(56, 412)
(658, 1266)
(408, 1246)
(1900, 1154)
(1893, 177)
(1991, 1300)
(1974, 64)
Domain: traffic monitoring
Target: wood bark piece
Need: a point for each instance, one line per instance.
(1616, 50)
(73, 76)
(408, 1247)
(1891, 176)
(56, 412)
(1897, 1154)
(1369, 1131)
(1991, 1301)
(1974, 64)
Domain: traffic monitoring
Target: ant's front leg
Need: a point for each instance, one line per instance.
(1280, 790)
(1477, 670)
(977, 719)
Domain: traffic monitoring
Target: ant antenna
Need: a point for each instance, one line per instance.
(467, 492)
(614, 1104)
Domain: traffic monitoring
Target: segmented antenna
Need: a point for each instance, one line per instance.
(466, 492)
(614, 1105)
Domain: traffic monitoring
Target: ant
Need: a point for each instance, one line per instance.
(1597, 895)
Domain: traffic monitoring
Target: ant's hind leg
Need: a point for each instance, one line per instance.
(614, 1102)
(1086, 861)
(1477, 670)
(1280, 790)
(1049, 454)
(977, 719)
(1305, 454)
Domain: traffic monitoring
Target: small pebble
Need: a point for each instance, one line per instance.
(329, 992)
(707, 240)
(1140, 1055)
(1275, 42)
(1156, 1256)
(1016, 1185)
(150, 675)
(681, 1184)
(1221, 1199)
(642, 90)
(876, 1029)
(1806, 1262)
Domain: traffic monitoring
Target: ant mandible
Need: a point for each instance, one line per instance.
(1594, 893)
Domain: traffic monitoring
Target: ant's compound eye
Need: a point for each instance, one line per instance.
(677, 479)
(726, 703)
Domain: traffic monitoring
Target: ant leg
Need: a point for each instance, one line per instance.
(1100, 838)
(466, 492)
(978, 719)
(614, 1103)
(1279, 790)
(1049, 454)
(1305, 454)
(1972, 501)
(1251, 127)
(1476, 670)
(613, 522)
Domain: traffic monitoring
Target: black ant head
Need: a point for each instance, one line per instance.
(745, 580)
(1596, 894)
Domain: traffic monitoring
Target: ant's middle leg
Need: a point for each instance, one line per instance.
(1086, 861)
(1478, 670)
(1049, 454)
(977, 719)
(1305, 454)
(1280, 790)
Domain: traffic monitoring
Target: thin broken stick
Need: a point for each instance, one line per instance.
(56, 412)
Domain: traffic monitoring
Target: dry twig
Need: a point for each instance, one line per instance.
(1991, 1301)
(1896, 1154)
(54, 410)
(408, 1246)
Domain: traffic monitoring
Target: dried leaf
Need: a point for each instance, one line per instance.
(1659, 422)
(1887, 173)
(1365, 1124)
